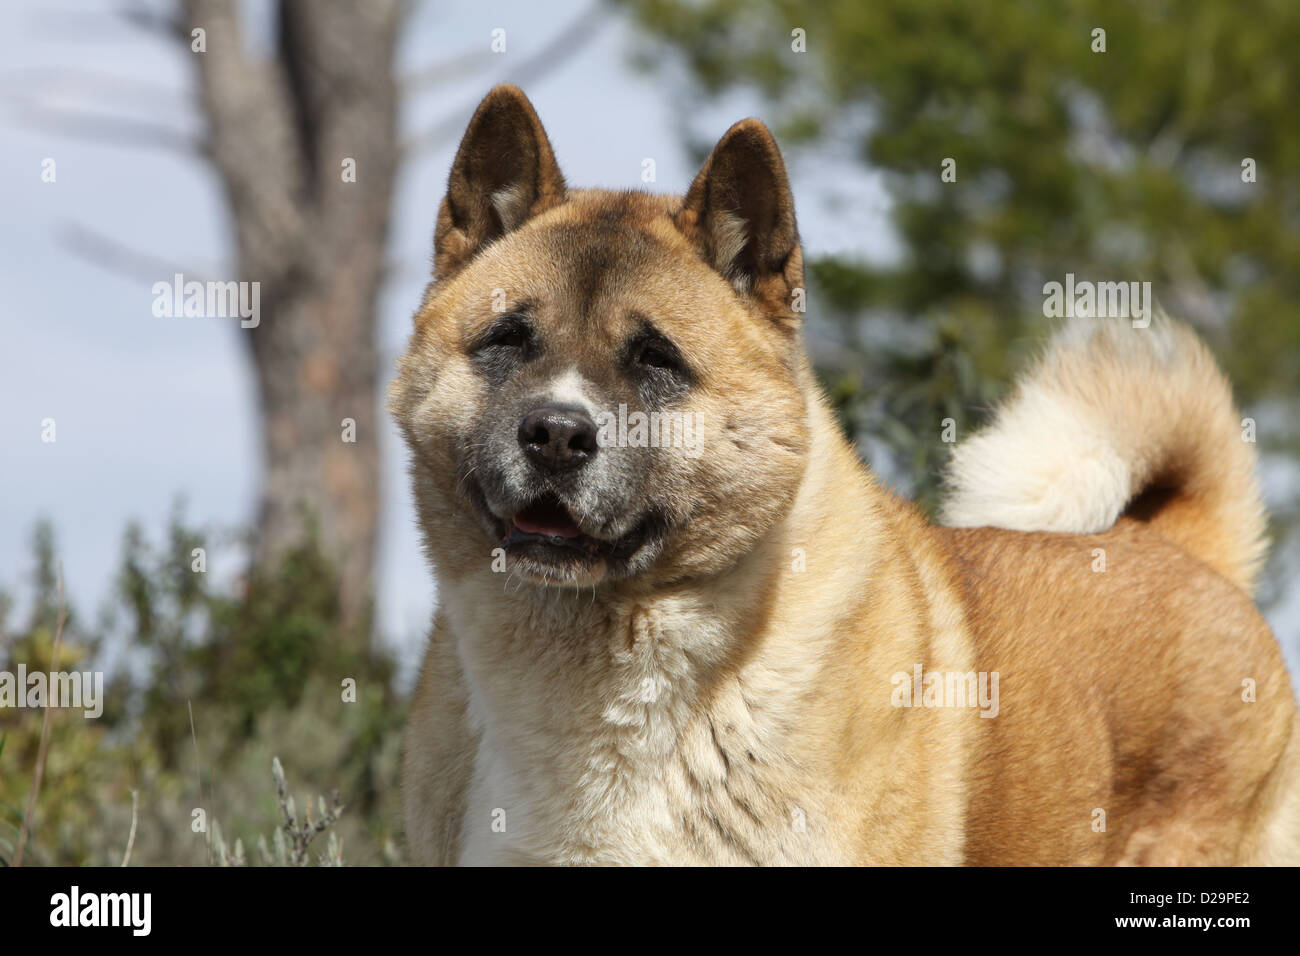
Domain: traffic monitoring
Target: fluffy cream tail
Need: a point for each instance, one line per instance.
(1113, 420)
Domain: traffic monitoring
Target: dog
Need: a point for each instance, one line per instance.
(732, 645)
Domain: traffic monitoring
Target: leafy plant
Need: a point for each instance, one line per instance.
(290, 842)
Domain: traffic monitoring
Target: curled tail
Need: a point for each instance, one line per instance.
(1119, 420)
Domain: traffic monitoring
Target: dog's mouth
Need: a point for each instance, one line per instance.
(547, 527)
(546, 540)
(548, 521)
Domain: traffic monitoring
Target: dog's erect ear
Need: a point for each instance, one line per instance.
(739, 213)
(504, 173)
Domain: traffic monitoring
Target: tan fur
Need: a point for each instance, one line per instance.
(735, 702)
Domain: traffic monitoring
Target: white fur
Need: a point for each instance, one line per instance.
(512, 204)
(1041, 466)
(572, 389)
(1107, 409)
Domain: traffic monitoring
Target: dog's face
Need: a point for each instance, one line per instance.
(604, 387)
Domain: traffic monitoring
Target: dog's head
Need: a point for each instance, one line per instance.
(604, 386)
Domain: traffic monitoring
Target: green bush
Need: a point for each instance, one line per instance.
(211, 686)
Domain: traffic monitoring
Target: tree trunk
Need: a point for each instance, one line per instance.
(280, 133)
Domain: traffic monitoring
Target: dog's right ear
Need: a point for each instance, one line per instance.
(504, 173)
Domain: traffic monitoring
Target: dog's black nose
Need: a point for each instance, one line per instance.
(557, 438)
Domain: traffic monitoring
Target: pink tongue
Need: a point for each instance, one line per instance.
(544, 519)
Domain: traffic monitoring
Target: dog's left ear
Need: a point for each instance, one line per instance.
(739, 213)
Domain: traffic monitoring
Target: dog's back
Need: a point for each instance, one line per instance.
(1143, 707)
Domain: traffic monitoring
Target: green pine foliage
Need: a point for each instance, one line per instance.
(260, 667)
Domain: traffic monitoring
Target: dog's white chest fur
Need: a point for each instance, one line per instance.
(630, 816)
(515, 818)
(625, 758)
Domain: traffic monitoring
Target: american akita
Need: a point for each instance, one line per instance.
(754, 653)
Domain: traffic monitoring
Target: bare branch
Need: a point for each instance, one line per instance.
(112, 130)
(457, 67)
(108, 253)
(130, 840)
(198, 772)
(150, 20)
(567, 41)
(53, 82)
(81, 23)
(43, 749)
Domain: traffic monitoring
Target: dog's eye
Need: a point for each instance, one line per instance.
(656, 363)
(511, 338)
(657, 357)
(511, 332)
